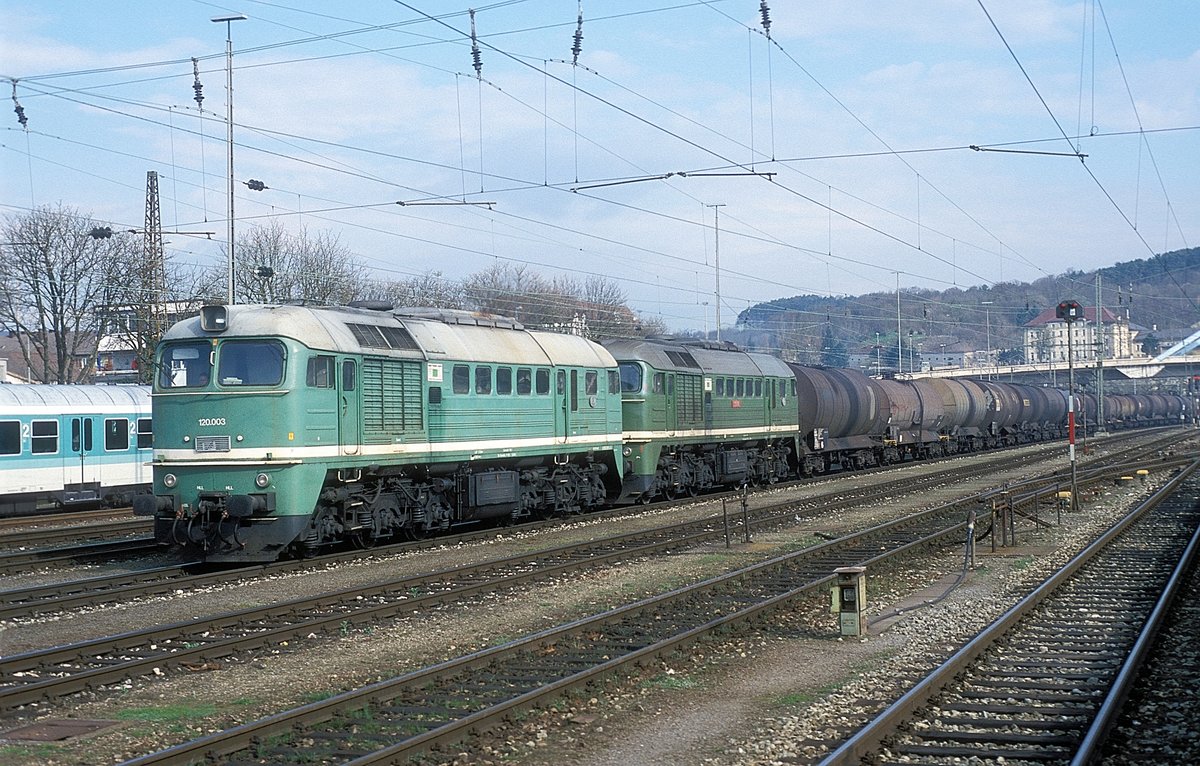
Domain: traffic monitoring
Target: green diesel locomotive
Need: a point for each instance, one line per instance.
(296, 427)
(703, 414)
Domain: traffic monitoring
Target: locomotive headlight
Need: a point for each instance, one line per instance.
(262, 480)
(170, 480)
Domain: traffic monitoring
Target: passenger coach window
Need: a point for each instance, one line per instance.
(116, 434)
(250, 363)
(631, 378)
(45, 437)
(483, 380)
(145, 433)
(320, 372)
(504, 381)
(542, 379)
(524, 381)
(10, 437)
(462, 379)
(185, 365)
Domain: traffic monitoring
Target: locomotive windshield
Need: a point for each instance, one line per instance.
(185, 365)
(631, 378)
(250, 363)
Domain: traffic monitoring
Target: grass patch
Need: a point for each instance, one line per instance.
(167, 713)
(1022, 563)
(37, 752)
(665, 681)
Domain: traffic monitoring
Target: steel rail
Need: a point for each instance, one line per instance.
(869, 739)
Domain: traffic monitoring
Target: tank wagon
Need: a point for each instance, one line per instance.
(72, 446)
(292, 427)
(702, 414)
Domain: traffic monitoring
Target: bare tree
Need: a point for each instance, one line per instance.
(275, 266)
(59, 268)
(430, 289)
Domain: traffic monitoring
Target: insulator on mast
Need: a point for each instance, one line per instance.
(475, 56)
(765, 11)
(577, 47)
(196, 86)
(20, 110)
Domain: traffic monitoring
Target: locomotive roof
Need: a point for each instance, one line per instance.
(427, 334)
(68, 398)
(711, 359)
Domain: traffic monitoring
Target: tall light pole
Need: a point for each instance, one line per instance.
(987, 320)
(899, 342)
(228, 20)
(717, 259)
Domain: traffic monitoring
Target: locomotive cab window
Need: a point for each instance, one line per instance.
(250, 363)
(10, 437)
(631, 377)
(185, 365)
(320, 372)
(116, 434)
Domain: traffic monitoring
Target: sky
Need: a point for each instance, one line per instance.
(681, 145)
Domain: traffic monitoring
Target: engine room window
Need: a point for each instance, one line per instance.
(740, 387)
(614, 382)
(116, 434)
(504, 381)
(524, 381)
(185, 365)
(462, 379)
(631, 378)
(542, 379)
(720, 387)
(320, 372)
(483, 380)
(659, 382)
(591, 383)
(758, 388)
(250, 363)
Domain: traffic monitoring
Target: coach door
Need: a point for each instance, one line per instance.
(349, 414)
(82, 448)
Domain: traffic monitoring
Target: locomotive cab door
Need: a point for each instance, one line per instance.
(349, 412)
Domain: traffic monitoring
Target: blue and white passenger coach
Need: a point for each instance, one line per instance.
(65, 446)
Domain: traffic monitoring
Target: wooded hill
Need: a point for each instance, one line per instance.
(1160, 294)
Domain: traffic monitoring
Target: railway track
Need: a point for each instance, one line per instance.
(1043, 683)
(811, 567)
(58, 518)
(27, 602)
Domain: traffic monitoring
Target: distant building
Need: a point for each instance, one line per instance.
(1046, 337)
